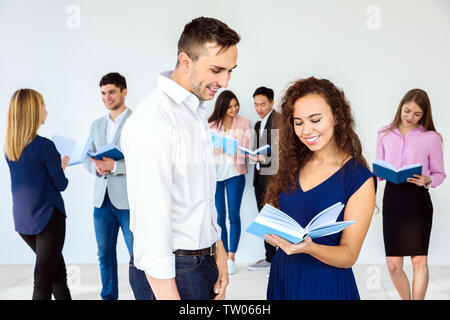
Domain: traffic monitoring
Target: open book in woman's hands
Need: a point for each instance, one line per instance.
(388, 172)
(273, 221)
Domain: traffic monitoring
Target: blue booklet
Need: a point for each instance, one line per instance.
(229, 145)
(262, 149)
(388, 172)
(109, 150)
(76, 149)
(274, 221)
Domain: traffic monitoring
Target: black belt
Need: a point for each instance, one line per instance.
(200, 252)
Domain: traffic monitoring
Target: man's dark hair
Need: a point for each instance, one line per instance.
(114, 78)
(265, 92)
(202, 30)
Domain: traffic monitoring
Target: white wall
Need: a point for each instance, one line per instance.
(42, 46)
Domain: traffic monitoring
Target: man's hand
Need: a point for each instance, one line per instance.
(222, 265)
(164, 289)
(104, 166)
(64, 162)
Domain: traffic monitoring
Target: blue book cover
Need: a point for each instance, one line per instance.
(388, 172)
(274, 221)
(229, 145)
(109, 150)
(76, 150)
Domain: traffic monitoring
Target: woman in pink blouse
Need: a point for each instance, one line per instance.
(230, 169)
(407, 208)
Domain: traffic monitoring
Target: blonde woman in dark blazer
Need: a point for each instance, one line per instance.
(37, 180)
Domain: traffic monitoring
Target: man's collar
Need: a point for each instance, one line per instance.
(267, 115)
(176, 92)
(119, 117)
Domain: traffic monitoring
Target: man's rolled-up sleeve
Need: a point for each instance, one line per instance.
(147, 147)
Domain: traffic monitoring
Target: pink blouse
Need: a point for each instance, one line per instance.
(418, 146)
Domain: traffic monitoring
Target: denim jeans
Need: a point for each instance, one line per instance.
(139, 283)
(195, 277)
(107, 221)
(234, 188)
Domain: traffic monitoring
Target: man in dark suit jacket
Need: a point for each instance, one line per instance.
(266, 165)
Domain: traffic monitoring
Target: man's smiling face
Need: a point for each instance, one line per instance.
(212, 70)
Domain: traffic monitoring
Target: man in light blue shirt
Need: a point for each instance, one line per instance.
(111, 209)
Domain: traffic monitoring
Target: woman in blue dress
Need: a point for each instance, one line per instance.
(321, 163)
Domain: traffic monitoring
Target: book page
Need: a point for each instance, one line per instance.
(262, 148)
(329, 229)
(269, 210)
(64, 145)
(283, 227)
(106, 147)
(385, 164)
(245, 150)
(254, 152)
(80, 150)
(410, 166)
(325, 217)
(277, 219)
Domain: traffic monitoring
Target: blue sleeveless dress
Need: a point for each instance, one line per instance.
(301, 276)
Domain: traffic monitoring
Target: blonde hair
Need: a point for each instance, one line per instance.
(24, 120)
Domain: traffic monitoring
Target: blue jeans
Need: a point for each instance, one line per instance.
(107, 220)
(139, 283)
(234, 187)
(195, 277)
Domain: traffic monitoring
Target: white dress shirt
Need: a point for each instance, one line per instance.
(261, 132)
(111, 129)
(263, 123)
(171, 177)
(113, 125)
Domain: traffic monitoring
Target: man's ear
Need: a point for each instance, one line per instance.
(124, 92)
(184, 62)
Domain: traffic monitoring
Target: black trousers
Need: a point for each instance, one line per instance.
(261, 183)
(50, 270)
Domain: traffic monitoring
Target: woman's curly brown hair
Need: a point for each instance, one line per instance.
(293, 153)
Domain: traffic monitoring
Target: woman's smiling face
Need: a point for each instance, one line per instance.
(313, 121)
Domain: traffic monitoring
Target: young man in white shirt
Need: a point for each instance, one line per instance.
(171, 171)
(111, 209)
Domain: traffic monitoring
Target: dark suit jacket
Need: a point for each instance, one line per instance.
(261, 181)
(36, 182)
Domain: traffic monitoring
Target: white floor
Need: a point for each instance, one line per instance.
(84, 281)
